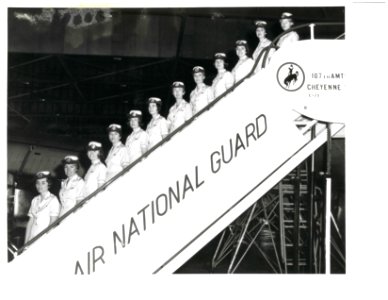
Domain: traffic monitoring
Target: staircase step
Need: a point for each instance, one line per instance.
(291, 221)
(291, 226)
(292, 245)
(300, 264)
(292, 209)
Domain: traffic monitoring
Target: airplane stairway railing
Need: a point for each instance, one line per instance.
(312, 26)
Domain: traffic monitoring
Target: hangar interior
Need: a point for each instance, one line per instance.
(72, 72)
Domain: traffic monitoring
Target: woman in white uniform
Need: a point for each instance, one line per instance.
(137, 141)
(224, 79)
(202, 95)
(72, 187)
(286, 23)
(261, 33)
(44, 208)
(118, 157)
(181, 111)
(157, 128)
(96, 174)
(245, 63)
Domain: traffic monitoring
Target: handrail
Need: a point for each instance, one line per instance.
(166, 139)
(275, 40)
(340, 36)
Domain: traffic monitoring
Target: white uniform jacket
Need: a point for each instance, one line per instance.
(178, 115)
(200, 97)
(117, 160)
(41, 210)
(71, 191)
(242, 68)
(156, 129)
(95, 177)
(136, 143)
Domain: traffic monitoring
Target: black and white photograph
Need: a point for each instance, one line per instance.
(207, 140)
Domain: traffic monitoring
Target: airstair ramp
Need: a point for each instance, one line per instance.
(165, 208)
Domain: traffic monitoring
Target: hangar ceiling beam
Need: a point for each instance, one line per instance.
(91, 78)
(73, 81)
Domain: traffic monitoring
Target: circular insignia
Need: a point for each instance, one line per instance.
(290, 76)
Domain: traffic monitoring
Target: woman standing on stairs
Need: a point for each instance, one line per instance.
(245, 63)
(157, 128)
(202, 94)
(286, 22)
(224, 79)
(181, 111)
(72, 187)
(118, 157)
(261, 33)
(44, 208)
(137, 141)
(96, 174)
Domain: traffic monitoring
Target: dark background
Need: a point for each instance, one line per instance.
(67, 82)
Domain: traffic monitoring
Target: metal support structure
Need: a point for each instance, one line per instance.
(19, 113)
(268, 221)
(296, 233)
(99, 76)
(30, 62)
(252, 239)
(25, 159)
(179, 44)
(312, 31)
(282, 229)
(328, 203)
(242, 238)
(73, 81)
(310, 207)
(217, 249)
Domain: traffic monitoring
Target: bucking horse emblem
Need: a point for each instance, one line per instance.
(291, 78)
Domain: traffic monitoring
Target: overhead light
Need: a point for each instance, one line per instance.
(43, 99)
(123, 85)
(143, 13)
(26, 82)
(217, 15)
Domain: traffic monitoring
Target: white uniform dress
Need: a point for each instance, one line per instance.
(95, 177)
(223, 81)
(178, 115)
(287, 39)
(242, 68)
(200, 97)
(260, 47)
(135, 142)
(156, 129)
(41, 211)
(117, 160)
(71, 191)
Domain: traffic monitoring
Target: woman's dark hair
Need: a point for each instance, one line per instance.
(178, 87)
(247, 49)
(100, 153)
(77, 165)
(224, 60)
(158, 106)
(119, 133)
(48, 179)
(140, 119)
